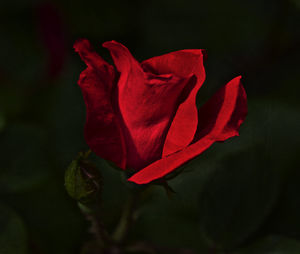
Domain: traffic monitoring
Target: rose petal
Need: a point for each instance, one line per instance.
(184, 125)
(147, 104)
(94, 61)
(102, 128)
(220, 119)
(207, 113)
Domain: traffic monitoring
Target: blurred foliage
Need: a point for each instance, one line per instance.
(238, 197)
(13, 235)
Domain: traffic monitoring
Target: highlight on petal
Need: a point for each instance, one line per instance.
(219, 119)
(184, 124)
(102, 131)
(147, 104)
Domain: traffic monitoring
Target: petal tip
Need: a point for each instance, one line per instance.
(130, 180)
(108, 44)
(81, 44)
(238, 78)
(137, 181)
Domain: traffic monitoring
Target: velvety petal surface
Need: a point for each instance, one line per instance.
(219, 119)
(182, 63)
(102, 132)
(147, 103)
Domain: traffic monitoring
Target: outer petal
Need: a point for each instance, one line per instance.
(182, 63)
(220, 119)
(102, 129)
(221, 127)
(147, 104)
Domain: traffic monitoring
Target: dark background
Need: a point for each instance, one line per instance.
(241, 196)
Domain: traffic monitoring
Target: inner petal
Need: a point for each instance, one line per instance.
(147, 104)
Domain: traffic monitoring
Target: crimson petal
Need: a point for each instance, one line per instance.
(182, 63)
(147, 104)
(102, 129)
(220, 119)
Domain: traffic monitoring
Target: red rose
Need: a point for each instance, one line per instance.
(144, 116)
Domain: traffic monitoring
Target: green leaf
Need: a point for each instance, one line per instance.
(237, 199)
(13, 237)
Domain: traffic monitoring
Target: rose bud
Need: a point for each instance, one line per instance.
(83, 181)
(143, 116)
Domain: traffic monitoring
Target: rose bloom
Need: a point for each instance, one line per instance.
(143, 116)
